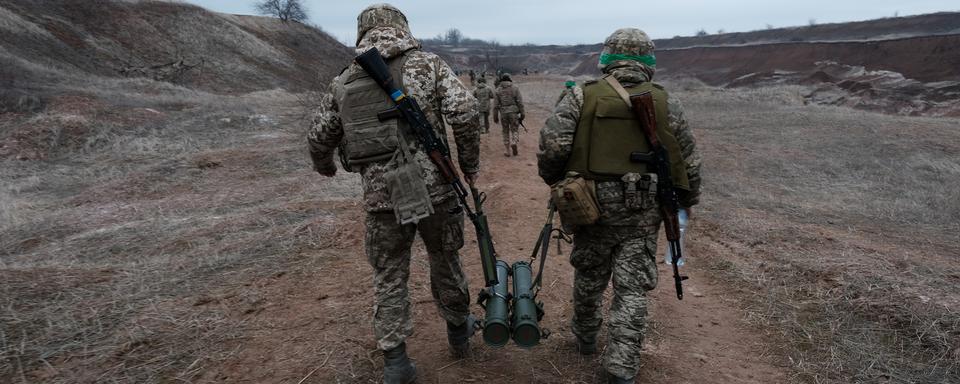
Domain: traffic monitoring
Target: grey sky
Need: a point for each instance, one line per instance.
(585, 21)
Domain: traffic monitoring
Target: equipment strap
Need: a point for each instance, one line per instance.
(624, 95)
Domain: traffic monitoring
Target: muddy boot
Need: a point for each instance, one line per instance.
(514, 148)
(506, 150)
(585, 347)
(612, 379)
(397, 367)
(459, 337)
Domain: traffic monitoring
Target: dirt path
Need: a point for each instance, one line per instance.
(313, 324)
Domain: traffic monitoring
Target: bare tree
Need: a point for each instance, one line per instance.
(454, 37)
(285, 10)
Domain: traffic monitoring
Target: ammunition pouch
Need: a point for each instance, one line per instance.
(576, 200)
(408, 190)
(639, 190)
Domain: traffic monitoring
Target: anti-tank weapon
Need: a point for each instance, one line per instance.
(518, 314)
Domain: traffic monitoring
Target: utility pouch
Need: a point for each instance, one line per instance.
(576, 200)
(408, 190)
(632, 198)
(639, 190)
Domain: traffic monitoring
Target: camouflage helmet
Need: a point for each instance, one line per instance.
(505, 77)
(628, 44)
(381, 15)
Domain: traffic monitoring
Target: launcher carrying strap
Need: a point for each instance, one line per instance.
(543, 245)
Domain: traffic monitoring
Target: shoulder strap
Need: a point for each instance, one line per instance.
(620, 90)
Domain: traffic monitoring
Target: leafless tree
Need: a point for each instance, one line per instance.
(454, 37)
(285, 10)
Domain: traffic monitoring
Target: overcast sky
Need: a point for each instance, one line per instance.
(590, 21)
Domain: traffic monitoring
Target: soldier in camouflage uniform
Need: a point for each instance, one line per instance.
(622, 244)
(436, 88)
(483, 94)
(571, 90)
(508, 106)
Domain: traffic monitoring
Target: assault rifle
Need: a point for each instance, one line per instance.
(408, 109)
(643, 109)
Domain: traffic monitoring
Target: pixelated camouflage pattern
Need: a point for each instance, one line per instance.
(381, 15)
(483, 94)
(628, 41)
(556, 138)
(574, 91)
(508, 107)
(440, 94)
(388, 251)
(510, 123)
(622, 245)
(627, 255)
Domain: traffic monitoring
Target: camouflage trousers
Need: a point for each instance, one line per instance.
(628, 256)
(388, 251)
(484, 121)
(511, 128)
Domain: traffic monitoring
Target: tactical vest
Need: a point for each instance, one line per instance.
(366, 139)
(608, 133)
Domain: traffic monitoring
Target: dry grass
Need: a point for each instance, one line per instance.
(144, 201)
(843, 224)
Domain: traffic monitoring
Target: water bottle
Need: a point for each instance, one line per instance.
(668, 258)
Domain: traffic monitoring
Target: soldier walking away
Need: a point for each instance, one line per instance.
(473, 77)
(347, 119)
(508, 106)
(483, 94)
(572, 90)
(622, 242)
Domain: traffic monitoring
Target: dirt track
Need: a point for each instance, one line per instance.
(319, 324)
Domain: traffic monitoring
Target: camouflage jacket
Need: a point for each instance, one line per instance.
(483, 94)
(431, 82)
(556, 145)
(507, 97)
(574, 91)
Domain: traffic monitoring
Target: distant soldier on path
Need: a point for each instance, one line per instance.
(621, 244)
(508, 107)
(571, 90)
(483, 94)
(377, 149)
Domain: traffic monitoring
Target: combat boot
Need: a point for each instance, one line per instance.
(459, 337)
(514, 148)
(506, 150)
(397, 367)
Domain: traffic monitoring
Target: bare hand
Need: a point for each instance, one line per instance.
(689, 212)
(472, 179)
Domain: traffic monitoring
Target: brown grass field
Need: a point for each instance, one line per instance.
(178, 236)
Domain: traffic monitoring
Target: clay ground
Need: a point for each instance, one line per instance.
(224, 258)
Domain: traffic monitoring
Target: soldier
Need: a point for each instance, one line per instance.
(347, 119)
(571, 89)
(483, 96)
(473, 77)
(508, 104)
(622, 243)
